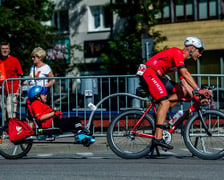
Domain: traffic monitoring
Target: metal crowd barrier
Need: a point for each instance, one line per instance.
(74, 95)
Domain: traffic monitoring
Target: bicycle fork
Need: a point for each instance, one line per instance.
(206, 130)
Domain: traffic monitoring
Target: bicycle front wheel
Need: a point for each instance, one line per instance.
(124, 140)
(199, 141)
(10, 150)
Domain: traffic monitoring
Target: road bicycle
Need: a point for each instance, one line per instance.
(131, 132)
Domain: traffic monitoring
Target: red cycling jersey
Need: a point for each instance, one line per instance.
(166, 61)
(160, 64)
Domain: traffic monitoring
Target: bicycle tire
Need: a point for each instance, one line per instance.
(121, 140)
(199, 142)
(10, 150)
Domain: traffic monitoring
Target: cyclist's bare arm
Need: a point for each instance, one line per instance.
(190, 80)
(187, 87)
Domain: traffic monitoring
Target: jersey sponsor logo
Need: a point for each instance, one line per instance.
(159, 73)
(157, 84)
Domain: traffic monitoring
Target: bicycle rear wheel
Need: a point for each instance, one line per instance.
(124, 141)
(199, 142)
(10, 150)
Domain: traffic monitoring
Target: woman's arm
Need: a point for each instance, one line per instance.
(51, 81)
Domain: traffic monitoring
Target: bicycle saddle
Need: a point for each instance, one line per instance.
(142, 92)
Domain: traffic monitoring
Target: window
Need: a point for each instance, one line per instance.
(61, 20)
(203, 9)
(99, 18)
(190, 10)
(208, 9)
(164, 15)
(213, 8)
(183, 10)
(94, 48)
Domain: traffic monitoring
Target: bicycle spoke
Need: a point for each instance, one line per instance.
(201, 143)
(10, 150)
(15, 150)
(128, 140)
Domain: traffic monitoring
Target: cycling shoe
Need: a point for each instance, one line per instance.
(162, 143)
(82, 138)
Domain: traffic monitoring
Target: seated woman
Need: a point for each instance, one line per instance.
(45, 116)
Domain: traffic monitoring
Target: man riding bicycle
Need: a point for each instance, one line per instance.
(159, 65)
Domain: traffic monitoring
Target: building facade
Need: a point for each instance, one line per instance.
(201, 18)
(90, 24)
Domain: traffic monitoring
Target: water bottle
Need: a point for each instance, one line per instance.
(92, 106)
(176, 117)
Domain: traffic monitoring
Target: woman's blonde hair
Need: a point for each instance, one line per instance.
(39, 52)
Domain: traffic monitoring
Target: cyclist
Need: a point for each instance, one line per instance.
(45, 116)
(158, 66)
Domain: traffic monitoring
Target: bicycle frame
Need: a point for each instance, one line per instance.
(192, 108)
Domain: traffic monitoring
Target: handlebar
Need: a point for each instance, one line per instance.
(204, 100)
(200, 99)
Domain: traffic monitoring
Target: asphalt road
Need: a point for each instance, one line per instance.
(110, 168)
(71, 162)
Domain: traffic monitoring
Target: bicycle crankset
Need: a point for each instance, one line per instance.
(167, 137)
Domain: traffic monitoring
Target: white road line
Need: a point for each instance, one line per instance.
(45, 155)
(85, 154)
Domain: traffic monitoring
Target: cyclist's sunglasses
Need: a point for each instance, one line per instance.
(200, 50)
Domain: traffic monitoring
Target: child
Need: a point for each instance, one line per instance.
(45, 116)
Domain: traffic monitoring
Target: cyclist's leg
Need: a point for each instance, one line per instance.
(160, 119)
(155, 85)
(159, 93)
(161, 116)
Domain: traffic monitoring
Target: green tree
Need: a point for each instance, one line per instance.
(124, 51)
(23, 25)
